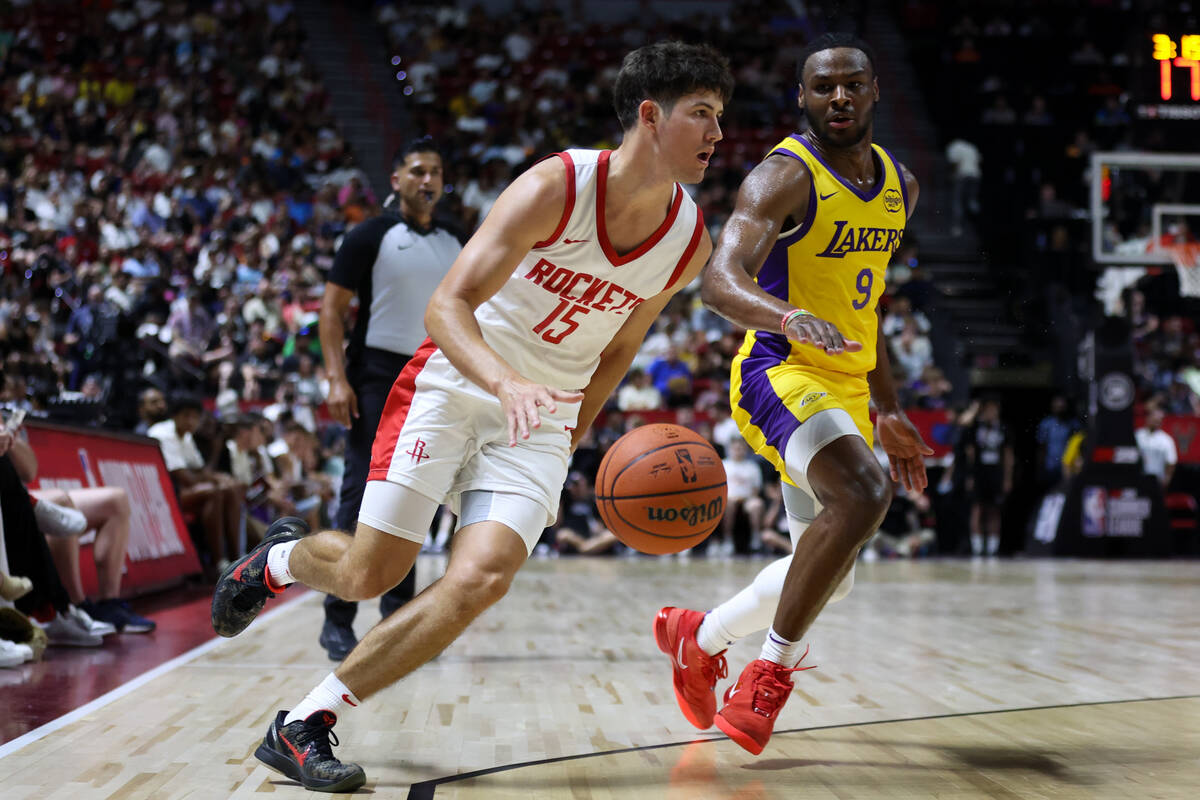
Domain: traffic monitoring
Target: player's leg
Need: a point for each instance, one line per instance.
(831, 455)
(485, 557)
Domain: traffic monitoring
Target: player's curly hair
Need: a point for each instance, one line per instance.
(665, 72)
(828, 41)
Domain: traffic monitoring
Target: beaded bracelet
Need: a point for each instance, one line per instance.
(791, 315)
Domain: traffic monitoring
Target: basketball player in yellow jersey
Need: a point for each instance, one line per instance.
(815, 223)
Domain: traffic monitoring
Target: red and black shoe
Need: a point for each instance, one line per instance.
(302, 752)
(242, 590)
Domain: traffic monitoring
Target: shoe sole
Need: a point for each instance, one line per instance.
(286, 767)
(743, 740)
(664, 644)
(285, 534)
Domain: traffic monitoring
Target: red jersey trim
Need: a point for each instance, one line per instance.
(692, 247)
(395, 412)
(568, 207)
(602, 232)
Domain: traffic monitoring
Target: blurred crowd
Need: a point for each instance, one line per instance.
(173, 189)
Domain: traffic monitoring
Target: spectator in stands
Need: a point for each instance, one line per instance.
(638, 393)
(989, 456)
(152, 409)
(932, 390)
(217, 500)
(1157, 448)
(106, 510)
(913, 351)
(744, 483)
(900, 312)
(1053, 433)
(28, 556)
(578, 528)
(672, 378)
(964, 161)
(776, 537)
(191, 327)
(242, 457)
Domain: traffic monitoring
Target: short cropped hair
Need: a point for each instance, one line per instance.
(186, 402)
(423, 144)
(665, 72)
(828, 41)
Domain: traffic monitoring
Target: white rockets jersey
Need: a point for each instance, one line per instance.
(572, 293)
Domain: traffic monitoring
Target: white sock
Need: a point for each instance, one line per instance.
(749, 611)
(993, 545)
(277, 563)
(781, 651)
(977, 544)
(712, 636)
(329, 695)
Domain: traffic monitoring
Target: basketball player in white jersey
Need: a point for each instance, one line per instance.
(530, 332)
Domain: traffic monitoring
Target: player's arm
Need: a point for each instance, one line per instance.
(897, 435)
(331, 325)
(774, 191)
(616, 358)
(526, 213)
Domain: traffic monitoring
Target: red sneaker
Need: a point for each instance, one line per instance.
(753, 703)
(695, 672)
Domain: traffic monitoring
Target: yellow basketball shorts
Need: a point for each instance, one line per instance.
(770, 399)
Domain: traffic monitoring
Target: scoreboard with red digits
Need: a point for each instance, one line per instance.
(1170, 79)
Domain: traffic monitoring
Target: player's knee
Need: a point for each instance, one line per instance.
(365, 585)
(477, 586)
(863, 501)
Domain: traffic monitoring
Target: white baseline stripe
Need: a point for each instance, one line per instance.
(129, 686)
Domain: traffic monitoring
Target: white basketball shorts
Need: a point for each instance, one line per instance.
(441, 436)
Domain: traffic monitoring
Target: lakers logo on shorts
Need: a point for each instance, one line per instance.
(812, 397)
(892, 200)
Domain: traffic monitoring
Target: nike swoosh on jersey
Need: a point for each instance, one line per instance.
(831, 194)
(573, 241)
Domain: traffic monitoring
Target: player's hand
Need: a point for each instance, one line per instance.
(905, 448)
(341, 402)
(6, 440)
(521, 400)
(807, 329)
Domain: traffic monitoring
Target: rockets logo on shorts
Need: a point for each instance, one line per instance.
(418, 452)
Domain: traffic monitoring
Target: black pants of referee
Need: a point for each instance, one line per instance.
(371, 377)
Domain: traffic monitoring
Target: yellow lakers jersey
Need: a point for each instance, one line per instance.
(832, 264)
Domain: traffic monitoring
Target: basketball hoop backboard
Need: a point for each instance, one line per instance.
(1142, 204)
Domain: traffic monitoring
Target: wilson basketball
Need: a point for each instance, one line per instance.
(661, 489)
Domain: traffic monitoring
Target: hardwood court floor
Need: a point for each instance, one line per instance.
(935, 679)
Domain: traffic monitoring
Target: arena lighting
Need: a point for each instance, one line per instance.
(1169, 55)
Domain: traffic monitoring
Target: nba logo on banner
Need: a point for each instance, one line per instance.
(1094, 509)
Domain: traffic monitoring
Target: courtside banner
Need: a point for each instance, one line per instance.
(160, 551)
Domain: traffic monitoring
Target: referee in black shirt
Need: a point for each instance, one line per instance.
(392, 263)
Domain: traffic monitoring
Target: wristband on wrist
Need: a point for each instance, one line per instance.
(791, 315)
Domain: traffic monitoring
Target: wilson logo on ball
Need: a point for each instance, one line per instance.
(692, 515)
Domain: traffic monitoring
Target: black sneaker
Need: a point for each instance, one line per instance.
(301, 751)
(118, 614)
(337, 639)
(241, 591)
